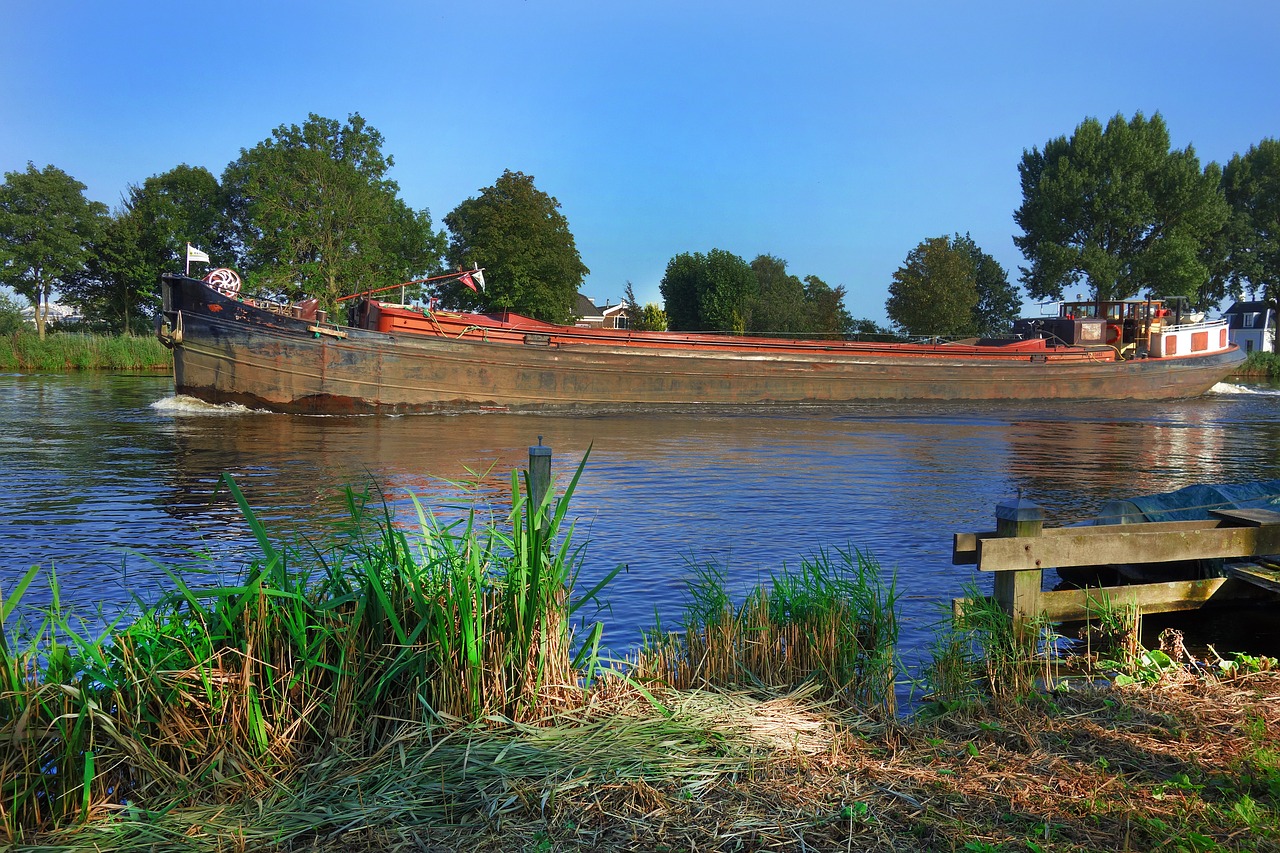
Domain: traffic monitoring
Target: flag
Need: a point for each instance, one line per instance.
(466, 279)
(194, 254)
(478, 275)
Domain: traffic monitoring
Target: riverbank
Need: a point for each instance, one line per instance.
(1186, 764)
(378, 688)
(1260, 365)
(60, 351)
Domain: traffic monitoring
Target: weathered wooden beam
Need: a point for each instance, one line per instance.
(1077, 605)
(1074, 605)
(1129, 543)
(1249, 517)
(964, 546)
(1263, 577)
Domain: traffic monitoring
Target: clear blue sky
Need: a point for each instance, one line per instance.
(833, 135)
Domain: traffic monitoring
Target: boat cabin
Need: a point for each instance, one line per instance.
(1134, 328)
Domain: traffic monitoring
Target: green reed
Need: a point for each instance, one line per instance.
(832, 623)
(1261, 363)
(225, 691)
(61, 351)
(984, 654)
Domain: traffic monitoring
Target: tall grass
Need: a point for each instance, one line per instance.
(222, 692)
(1261, 363)
(985, 655)
(832, 623)
(24, 350)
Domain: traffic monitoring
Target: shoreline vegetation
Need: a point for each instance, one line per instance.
(441, 685)
(67, 351)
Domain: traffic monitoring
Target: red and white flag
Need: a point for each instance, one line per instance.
(466, 279)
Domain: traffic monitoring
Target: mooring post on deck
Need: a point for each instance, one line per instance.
(1018, 592)
(539, 480)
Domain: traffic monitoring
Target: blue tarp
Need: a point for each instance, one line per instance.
(1192, 503)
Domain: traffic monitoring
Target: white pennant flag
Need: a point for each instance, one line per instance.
(194, 254)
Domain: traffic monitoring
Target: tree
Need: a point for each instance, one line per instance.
(779, 305)
(517, 234)
(825, 314)
(312, 211)
(935, 291)
(11, 319)
(711, 292)
(147, 236)
(1118, 208)
(1252, 242)
(999, 302)
(47, 229)
(651, 318)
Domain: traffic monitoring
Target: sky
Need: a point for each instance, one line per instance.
(833, 135)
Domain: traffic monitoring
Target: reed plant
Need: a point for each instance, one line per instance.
(832, 624)
(221, 692)
(1261, 363)
(61, 351)
(983, 654)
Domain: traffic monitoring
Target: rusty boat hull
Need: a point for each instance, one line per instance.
(228, 350)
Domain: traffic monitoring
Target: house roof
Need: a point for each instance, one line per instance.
(584, 307)
(1248, 308)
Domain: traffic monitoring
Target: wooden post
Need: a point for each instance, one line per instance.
(539, 481)
(1018, 592)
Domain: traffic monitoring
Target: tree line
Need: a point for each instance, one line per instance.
(1113, 210)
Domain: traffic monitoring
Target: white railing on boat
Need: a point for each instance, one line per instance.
(1190, 339)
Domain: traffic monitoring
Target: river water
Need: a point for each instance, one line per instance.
(109, 479)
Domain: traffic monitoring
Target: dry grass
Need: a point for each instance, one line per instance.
(1185, 765)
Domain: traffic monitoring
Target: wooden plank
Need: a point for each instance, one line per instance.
(1074, 605)
(1129, 543)
(964, 546)
(1078, 605)
(1260, 576)
(1250, 517)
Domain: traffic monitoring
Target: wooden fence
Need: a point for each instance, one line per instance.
(1020, 549)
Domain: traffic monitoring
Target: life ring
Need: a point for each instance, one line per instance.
(1113, 334)
(224, 281)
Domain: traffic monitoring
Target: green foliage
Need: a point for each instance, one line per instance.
(516, 233)
(25, 350)
(225, 691)
(313, 211)
(11, 319)
(833, 624)
(1259, 363)
(651, 318)
(1252, 237)
(985, 654)
(999, 302)
(935, 292)
(779, 307)
(148, 236)
(1117, 208)
(825, 314)
(713, 292)
(47, 232)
